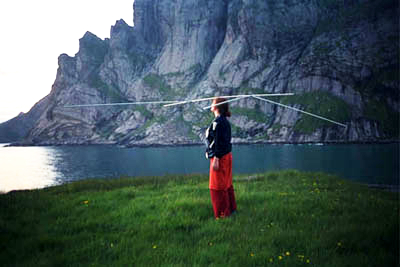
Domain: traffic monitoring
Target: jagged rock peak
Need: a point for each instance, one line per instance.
(89, 37)
(119, 25)
(66, 63)
(121, 35)
(91, 46)
(89, 40)
(64, 58)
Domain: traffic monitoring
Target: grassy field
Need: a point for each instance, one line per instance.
(286, 218)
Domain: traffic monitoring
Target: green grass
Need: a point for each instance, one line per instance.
(307, 219)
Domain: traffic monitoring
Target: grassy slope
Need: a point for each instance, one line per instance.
(286, 218)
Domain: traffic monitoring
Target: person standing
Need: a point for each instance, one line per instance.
(219, 151)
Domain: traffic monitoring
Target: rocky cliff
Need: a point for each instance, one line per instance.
(340, 58)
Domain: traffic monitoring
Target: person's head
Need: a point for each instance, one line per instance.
(221, 109)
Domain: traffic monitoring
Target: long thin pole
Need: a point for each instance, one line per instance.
(121, 104)
(227, 101)
(235, 98)
(226, 96)
(299, 110)
(171, 103)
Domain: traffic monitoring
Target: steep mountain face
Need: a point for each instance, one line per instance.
(340, 58)
(18, 127)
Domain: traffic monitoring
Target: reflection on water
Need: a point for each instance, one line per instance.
(27, 168)
(38, 167)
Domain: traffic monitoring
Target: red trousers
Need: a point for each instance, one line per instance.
(223, 202)
(221, 179)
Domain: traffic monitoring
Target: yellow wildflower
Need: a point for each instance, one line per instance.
(280, 257)
(308, 260)
(86, 202)
(287, 253)
(252, 254)
(154, 246)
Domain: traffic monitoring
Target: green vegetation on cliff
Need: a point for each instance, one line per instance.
(387, 118)
(155, 81)
(109, 93)
(322, 103)
(286, 218)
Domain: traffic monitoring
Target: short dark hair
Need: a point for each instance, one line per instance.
(223, 108)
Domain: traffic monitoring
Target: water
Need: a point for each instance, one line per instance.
(38, 167)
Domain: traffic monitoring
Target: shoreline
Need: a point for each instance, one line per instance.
(366, 142)
(392, 188)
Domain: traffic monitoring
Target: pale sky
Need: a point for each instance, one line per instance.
(33, 35)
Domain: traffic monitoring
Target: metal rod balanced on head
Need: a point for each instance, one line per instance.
(227, 101)
(225, 96)
(231, 98)
(171, 102)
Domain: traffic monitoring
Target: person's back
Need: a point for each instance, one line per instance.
(223, 136)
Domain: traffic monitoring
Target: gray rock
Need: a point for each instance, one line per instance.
(341, 66)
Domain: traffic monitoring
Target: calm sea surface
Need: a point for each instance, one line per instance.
(38, 167)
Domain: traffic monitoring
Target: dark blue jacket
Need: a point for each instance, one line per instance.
(219, 137)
